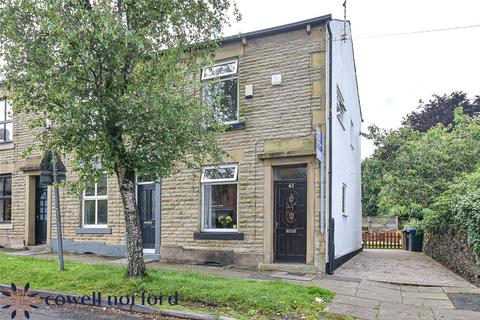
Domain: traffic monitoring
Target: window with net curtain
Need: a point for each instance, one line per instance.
(220, 198)
(95, 204)
(221, 90)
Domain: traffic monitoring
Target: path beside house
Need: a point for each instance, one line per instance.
(400, 266)
(397, 284)
(375, 284)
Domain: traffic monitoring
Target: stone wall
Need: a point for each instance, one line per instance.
(449, 246)
(13, 234)
(286, 114)
(21, 231)
(275, 113)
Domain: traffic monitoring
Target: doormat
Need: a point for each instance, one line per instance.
(465, 301)
(293, 276)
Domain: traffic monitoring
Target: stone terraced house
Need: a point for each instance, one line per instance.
(287, 196)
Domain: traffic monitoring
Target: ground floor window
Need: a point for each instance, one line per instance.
(95, 204)
(5, 198)
(220, 198)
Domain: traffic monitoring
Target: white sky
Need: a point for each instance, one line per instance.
(393, 72)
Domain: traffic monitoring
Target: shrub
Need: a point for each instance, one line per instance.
(466, 213)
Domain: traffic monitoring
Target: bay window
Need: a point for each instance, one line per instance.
(221, 90)
(220, 198)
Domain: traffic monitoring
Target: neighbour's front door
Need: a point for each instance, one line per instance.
(40, 214)
(290, 220)
(146, 208)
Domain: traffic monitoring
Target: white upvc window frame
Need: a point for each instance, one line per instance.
(8, 118)
(96, 198)
(206, 181)
(225, 77)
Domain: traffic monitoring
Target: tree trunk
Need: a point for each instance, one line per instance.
(136, 264)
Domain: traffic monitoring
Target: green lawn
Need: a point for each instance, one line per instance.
(242, 298)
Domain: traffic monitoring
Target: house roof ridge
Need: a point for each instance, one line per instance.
(278, 29)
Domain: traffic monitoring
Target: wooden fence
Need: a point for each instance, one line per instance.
(382, 240)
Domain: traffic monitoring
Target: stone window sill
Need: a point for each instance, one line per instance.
(6, 145)
(93, 231)
(218, 236)
(235, 126)
(6, 226)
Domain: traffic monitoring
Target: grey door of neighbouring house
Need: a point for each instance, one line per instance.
(40, 214)
(290, 201)
(146, 208)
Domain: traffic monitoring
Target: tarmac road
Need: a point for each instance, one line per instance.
(45, 312)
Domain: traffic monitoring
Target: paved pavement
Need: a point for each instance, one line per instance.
(395, 284)
(400, 266)
(375, 284)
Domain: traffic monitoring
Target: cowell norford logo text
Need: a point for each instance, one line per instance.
(19, 303)
(99, 299)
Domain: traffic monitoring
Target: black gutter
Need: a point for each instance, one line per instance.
(278, 29)
(331, 221)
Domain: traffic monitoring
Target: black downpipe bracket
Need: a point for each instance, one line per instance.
(331, 221)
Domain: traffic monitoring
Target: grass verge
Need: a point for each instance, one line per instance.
(248, 299)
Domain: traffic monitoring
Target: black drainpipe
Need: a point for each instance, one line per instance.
(331, 222)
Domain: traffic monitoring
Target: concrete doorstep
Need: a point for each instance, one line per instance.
(132, 308)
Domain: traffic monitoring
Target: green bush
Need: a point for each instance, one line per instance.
(428, 179)
(415, 224)
(466, 213)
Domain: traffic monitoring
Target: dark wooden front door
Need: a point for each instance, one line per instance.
(146, 208)
(290, 220)
(40, 214)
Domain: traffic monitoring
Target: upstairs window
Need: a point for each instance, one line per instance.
(5, 198)
(6, 123)
(341, 110)
(220, 198)
(95, 204)
(221, 90)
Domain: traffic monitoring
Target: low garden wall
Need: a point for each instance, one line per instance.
(449, 246)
